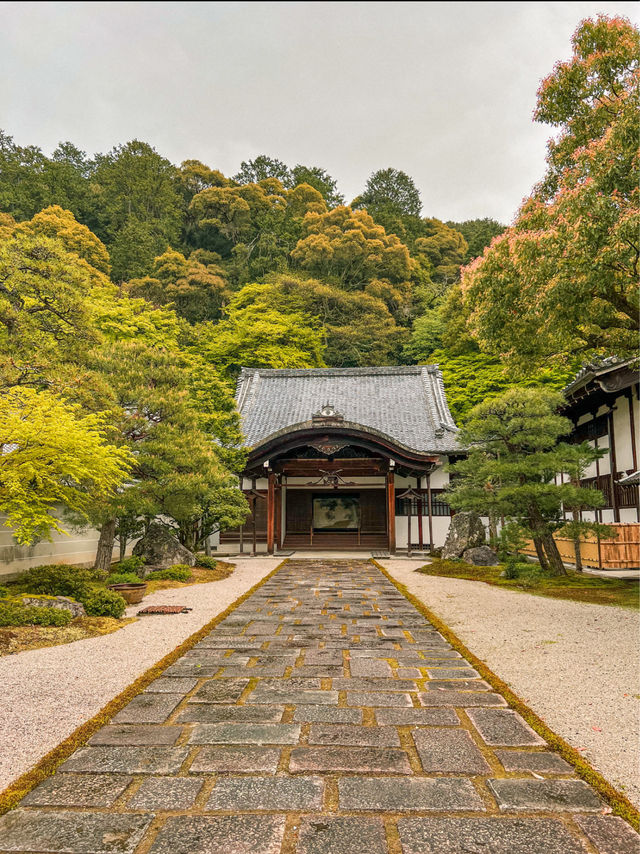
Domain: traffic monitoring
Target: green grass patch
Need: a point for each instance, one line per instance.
(579, 587)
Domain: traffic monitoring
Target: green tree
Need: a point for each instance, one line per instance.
(514, 453)
(45, 311)
(255, 337)
(563, 279)
(321, 181)
(62, 225)
(478, 233)
(178, 471)
(53, 455)
(261, 168)
(348, 249)
(22, 189)
(196, 291)
(357, 328)
(443, 247)
(139, 204)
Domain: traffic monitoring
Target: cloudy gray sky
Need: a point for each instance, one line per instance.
(444, 91)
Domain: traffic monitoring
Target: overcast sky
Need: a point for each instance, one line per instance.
(443, 91)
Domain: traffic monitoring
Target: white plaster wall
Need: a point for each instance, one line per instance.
(440, 530)
(622, 432)
(78, 547)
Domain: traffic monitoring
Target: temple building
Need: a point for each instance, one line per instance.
(345, 458)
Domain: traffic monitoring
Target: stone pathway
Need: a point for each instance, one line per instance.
(325, 715)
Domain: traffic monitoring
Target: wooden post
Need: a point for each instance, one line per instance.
(253, 515)
(241, 531)
(271, 515)
(598, 513)
(632, 425)
(614, 468)
(391, 511)
(409, 526)
(278, 516)
(420, 504)
(430, 513)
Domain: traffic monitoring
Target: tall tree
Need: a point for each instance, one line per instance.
(321, 181)
(53, 454)
(262, 167)
(139, 206)
(478, 233)
(563, 279)
(253, 337)
(357, 328)
(196, 291)
(514, 453)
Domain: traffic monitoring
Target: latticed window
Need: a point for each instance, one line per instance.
(439, 506)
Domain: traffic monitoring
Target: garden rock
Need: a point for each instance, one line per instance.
(481, 556)
(465, 532)
(160, 549)
(60, 603)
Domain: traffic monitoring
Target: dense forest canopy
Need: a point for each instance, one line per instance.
(133, 289)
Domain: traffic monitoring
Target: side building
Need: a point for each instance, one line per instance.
(345, 458)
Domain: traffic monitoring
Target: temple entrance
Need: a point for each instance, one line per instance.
(335, 519)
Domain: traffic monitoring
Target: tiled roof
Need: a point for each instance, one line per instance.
(407, 404)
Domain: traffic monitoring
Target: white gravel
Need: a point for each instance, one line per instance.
(45, 694)
(576, 665)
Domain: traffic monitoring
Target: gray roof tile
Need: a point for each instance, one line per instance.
(406, 403)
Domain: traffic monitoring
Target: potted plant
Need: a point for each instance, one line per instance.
(128, 585)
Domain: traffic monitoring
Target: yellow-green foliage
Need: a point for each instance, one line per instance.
(55, 455)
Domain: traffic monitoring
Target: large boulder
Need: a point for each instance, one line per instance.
(481, 556)
(160, 548)
(466, 531)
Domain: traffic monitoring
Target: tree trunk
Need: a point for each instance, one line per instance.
(553, 564)
(493, 530)
(123, 546)
(556, 566)
(104, 551)
(576, 543)
(537, 542)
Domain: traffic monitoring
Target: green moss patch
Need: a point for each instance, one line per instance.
(579, 587)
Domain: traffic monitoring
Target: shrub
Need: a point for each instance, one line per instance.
(123, 578)
(177, 572)
(206, 562)
(4, 592)
(104, 603)
(57, 580)
(133, 564)
(13, 614)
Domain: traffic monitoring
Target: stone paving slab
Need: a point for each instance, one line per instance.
(323, 716)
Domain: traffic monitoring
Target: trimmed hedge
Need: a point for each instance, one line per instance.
(177, 572)
(206, 562)
(104, 603)
(14, 614)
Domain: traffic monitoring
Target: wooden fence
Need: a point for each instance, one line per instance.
(620, 553)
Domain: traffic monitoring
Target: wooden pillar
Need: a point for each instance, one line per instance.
(420, 512)
(598, 513)
(430, 513)
(632, 426)
(614, 468)
(254, 535)
(391, 511)
(271, 511)
(278, 511)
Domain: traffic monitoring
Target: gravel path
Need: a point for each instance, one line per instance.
(576, 665)
(48, 693)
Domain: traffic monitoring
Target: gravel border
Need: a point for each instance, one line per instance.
(48, 693)
(577, 665)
